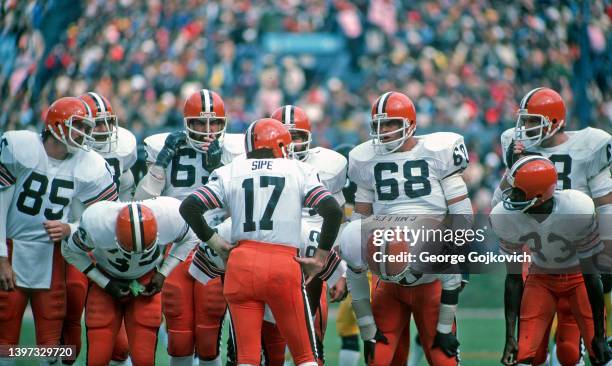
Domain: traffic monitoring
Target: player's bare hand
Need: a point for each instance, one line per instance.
(314, 265)
(7, 276)
(510, 352)
(220, 246)
(56, 230)
(338, 291)
(155, 285)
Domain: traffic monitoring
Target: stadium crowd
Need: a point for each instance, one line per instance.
(464, 63)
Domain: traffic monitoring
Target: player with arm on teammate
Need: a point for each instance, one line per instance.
(399, 173)
(118, 147)
(265, 195)
(582, 159)
(41, 176)
(126, 241)
(561, 230)
(179, 163)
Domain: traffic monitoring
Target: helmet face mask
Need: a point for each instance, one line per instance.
(199, 129)
(204, 118)
(532, 129)
(515, 199)
(533, 180)
(381, 136)
(297, 123)
(106, 133)
(541, 116)
(76, 133)
(300, 146)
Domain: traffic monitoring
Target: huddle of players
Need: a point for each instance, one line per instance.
(122, 272)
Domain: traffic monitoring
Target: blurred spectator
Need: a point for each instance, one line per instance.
(466, 64)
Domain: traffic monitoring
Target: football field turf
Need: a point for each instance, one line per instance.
(480, 330)
(481, 335)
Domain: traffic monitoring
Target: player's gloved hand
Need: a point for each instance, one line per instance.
(447, 342)
(510, 352)
(155, 284)
(8, 281)
(212, 158)
(370, 345)
(514, 152)
(173, 142)
(117, 288)
(602, 351)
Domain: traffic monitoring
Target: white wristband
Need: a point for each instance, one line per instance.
(169, 264)
(98, 277)
(446, 318)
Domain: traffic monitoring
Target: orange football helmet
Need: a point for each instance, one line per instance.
(268, 133)
(533, 180)
(388, 108)
(136, 229)
(105, 141)
(297, 123)
(70, 115)
(204, 106)
(541, 114)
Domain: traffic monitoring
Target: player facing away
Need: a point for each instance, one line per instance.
(41, 178)
(430, 298)
(560, 228)
(118, 147)
(179, 163)
(582, 159)
(265, 194)
(331, 167)
(120, 247)
(398, 172)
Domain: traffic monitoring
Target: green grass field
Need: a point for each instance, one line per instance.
(480, 329)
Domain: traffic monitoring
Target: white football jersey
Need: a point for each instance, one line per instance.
(44, 190)
(96, 233)
(566, 235)
(264, 197)
(332, 168)
(123, 157)
(583, 156)
(352, 253)
(409, 182)
(186, 172)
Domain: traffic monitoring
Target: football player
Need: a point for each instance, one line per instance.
(561, 230)
(126, 242)
(582, 159)
(179, 163)
(265, 195)
(41, 177)
(431, 298)
(118, 147)
(331, 167)
(399, 173)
